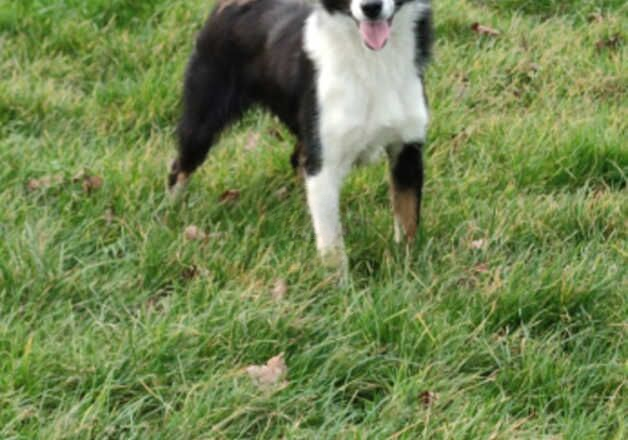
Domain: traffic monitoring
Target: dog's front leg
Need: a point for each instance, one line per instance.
(406, 186)
(323, 195)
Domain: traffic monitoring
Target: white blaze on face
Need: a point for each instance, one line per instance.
(374, 32)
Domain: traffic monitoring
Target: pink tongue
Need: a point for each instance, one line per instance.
(375, 33)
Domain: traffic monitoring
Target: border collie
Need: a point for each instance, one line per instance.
(345, 76)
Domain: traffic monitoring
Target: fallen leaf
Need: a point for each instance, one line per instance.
(91, 183)
(44, 182)
(252, 142)
(270, 374)
(428, 398)
(612, 42)
(231, 195)
(88, 182)
(279, 290)
(478, 244)
(193, 233)
(481, 268)
(484, 30)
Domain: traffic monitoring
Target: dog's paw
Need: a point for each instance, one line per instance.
(177, 183)
(335, 261)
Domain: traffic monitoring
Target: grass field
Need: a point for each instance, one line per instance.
(506, 319)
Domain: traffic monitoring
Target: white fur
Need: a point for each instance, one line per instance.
(367, 100)
(323, 194)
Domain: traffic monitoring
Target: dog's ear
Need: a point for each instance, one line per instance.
(341, 6)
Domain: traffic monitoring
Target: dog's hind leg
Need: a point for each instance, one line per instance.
(212, 99)
(406, 186)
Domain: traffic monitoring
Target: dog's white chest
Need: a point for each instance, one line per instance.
(367, 100)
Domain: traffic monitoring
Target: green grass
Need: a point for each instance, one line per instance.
(104, 333)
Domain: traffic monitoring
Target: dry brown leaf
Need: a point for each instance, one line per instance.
(428, 398)
(478, 244)
(481, 268)
(91, 183)
(271, 374)
(484, 30)
(88, 182)
(231, 195)
(280, 289)
(44, 182)
(612, 42)
(252, 141)
(193, 233)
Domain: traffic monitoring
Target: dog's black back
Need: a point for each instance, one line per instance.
(240, 56)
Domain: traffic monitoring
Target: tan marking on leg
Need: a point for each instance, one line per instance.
(406, 209)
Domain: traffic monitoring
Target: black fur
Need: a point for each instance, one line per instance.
(407, 171)
(251, 52)
(425, 40)
(246, 54)
(337, 6)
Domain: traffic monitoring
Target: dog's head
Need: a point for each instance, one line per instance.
(373, 18)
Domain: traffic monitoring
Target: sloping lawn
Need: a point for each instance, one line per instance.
(506, 319)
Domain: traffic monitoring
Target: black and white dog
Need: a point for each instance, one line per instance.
(344, 75)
